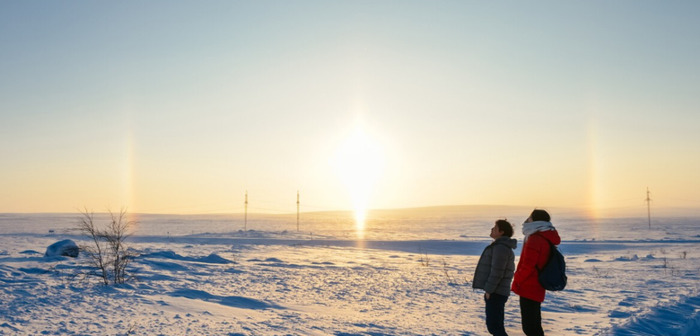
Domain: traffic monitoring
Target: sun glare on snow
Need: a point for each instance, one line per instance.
(359, 161)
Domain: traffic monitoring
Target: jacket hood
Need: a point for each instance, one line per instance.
(552, 236)
(507, 241)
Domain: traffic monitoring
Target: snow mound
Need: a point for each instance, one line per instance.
(8, 326)
(632, 258)
(210, 259)
(680, 318)
(63, 248)
(231, 301)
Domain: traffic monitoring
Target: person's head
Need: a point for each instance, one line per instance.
(539, 215)
(502, 228)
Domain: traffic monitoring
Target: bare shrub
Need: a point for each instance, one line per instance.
(445, 269)
(599, 273)
(424, 258)
(107, 253)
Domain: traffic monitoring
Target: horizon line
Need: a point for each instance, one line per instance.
(424, 207)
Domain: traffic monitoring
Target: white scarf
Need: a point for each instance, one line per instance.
(538, 226)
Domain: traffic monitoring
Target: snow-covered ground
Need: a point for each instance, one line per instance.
(407, 273)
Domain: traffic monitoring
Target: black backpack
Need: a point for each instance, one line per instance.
(553, 275)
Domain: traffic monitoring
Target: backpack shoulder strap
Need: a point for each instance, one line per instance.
(551, 246)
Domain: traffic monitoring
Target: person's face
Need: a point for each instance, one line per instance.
(495, 232)
(529, 220)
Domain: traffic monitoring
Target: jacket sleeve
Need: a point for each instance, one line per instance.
(529, 257)
(499, 262)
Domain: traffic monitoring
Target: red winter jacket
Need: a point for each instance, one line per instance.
(535, 253)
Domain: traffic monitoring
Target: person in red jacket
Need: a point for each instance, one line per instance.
(538, 230)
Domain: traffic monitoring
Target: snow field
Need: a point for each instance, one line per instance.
(325, 283)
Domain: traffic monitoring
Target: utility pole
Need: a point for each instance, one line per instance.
(245, 218)
(648, 200)
(297, 210)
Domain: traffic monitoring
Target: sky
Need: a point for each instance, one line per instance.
(184, 106)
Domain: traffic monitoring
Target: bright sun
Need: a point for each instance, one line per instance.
(359, 162)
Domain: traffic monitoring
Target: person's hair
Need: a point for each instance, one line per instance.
(505, 227)
(540, 215)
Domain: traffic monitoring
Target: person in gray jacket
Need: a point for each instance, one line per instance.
(494, 273)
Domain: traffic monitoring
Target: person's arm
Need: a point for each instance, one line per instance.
(499, 261)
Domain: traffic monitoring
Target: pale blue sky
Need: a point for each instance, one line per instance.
(181, 106)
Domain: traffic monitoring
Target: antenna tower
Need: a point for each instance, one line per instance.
(297, 210)
(648, 200)
(245, 218)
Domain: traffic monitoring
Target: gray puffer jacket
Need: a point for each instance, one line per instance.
(495, 269)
